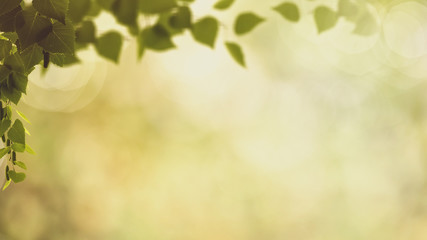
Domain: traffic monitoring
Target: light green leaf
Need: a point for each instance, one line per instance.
(17, 177)
(109, 45)
(205, 31)
(31, 27)
(29, 150)
(289, 11)
(21, 165)
(246, 22)
(18, 147)
(4, 151)
(7, 183)
(60, 39)
(55, 9)
(17, 132)
(325, 18)
(236, 52)
(223, 4)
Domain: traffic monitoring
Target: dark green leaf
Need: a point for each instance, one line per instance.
(109, 45)
(223, 4)
(32, 56)
(18, 81)
(7, 21)
(17, 132)
(205, 31)
(16, 177)
(86, 32)
(105, 4)
(4, 126)
(125, 11)
(181, 19)
(31, 27)
(55, 9)
(236, 52)
(246, 22)
(60, 39)
(78, 9)
(10, 93)
(289, 11)
(15, 63)
(8, 5)
(157, 6)
(5, 47)
(155, 38)
(325, 18)
(4, 73)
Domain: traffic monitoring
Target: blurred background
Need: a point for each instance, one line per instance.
(321, 137)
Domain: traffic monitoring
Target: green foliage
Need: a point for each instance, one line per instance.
(109, 45)
(245, 22)
(236, 52)
(51, 31)
(223, 4)
(325, 18)
(55, 9)
(289, 11)
(205, 31)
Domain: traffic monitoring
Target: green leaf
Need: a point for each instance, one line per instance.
(155, 38)
(18, 147)
(32, 56)
(12, 36)
(21, 165)
(205, 31)
(8, 5)
(31, 27)
(78, 9)
(181, 19)
(17, 177)
(86, 32)
(18, 81)
(17, 132)
(55, 9)
(325, 18)
(60, 39)
(15, 63)
(11, 93)
(246, 22)
(5, 47)
(23, 116)
(7, 21)
(289, 11)
(236, 52)
(109, 45)
(126, 11)
(157, 6)
(348, 10)
(29, 150)
(4, 126)
(4, 151)
(105, 4)
(4, 73)
(6, 184)
(223, 4)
